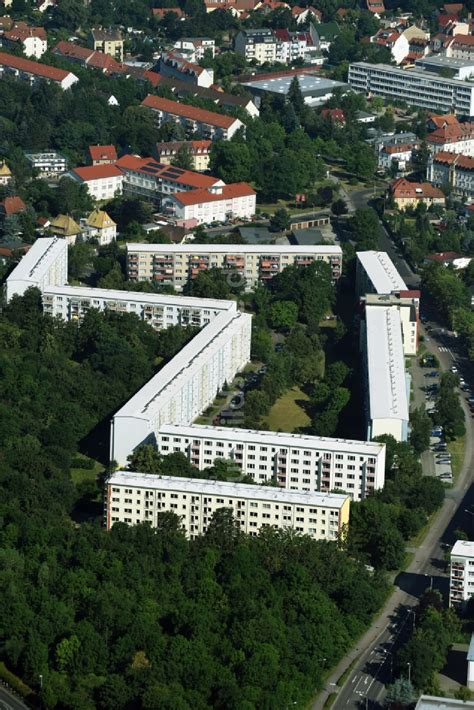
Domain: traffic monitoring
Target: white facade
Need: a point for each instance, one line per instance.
(185, 386)
(196, 47)
(408, 307)
(417, 88)
(376, 273)
(257, 45)
(461, 586)
(48, 163)
(300, 463)
(387, 382)
(175, 264)
(454, 170)
(103, 182)
(401, 154)
(216, 204)
(158, 310)
(45, 264)
(139, 497)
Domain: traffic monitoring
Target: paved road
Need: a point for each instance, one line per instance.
(8, 701)
(365, 685)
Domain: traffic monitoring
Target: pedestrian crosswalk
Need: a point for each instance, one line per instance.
(442, 349)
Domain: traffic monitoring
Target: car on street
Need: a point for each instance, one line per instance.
(237, 401)
(446, 476)
(470, 400)
(453, 369)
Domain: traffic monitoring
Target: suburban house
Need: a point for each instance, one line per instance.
(5, 174)
(410, 194)
(87, 57)
(160, 12)
(199, 150)
(453, 138)
(257, 45)
(32, 40)
(399, 155)
(102, 154)
(108, 41)
(11, 205)
(211, 125)
(104, 182)
(194, 48)
(66, 227)
(33, 72)
(452, 169)
(99, 225)
(216, 204)
(173, 65)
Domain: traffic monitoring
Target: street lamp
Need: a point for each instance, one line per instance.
(409, 671)
(41, 681)
(412, 611)
(390, 654)
(431, 580)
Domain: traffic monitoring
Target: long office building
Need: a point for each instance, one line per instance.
(376, 273)
(176, 264)
(293, 461)
(185, 386)
(461, 584)
(158, 310)
(137, 497)
(417, 88)
(45, 264)
(387, 382)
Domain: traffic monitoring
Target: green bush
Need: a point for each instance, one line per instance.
(87, 464)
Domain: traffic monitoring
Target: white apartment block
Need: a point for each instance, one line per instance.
(158, 310)
(461, 583)
(417, 88)
(452, 169)
(215, 204)
(104, 182)
(258, 45)
(134, 498)
(209, 125)
(45, 264)
(185, 386)
(47, 163)
(401, 155)
(408, 306)
(175, 264)
(376, 273)
(453, 139)
(194, 48)
(292, 461)
(387, 382)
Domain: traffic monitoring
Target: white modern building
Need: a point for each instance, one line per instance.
(47, 163)
(407, 304)
(194, 48)
(417, 88)
(376, 273)
(174, 66)
(175, 264)
(216, 204)
(158, 310)
(104, 182)
(258, 45)
(139, 497)
(461, 581)
(387, 382)
(300, 463)
(45, 264)
(185, 386)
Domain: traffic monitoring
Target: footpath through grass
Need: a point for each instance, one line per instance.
(286, 414)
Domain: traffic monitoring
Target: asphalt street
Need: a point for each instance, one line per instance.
(8, 701)
(371, 659)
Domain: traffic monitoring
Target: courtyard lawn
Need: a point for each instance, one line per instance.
(86, 474)
(286, 414)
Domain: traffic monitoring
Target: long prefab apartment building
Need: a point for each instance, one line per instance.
(293, 461)
(137, 497)
(45, 264)
(158, 310)
(185, 386)
(418, 88)
(174, 265)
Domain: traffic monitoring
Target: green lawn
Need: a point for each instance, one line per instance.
(456, 448)
(86, 474)
(286, 414)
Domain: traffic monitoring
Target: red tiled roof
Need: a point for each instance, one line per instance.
(75, 51)
(181, 64)
(153, 77)
(26, 65)
(19, 34)
(462, 40)
(194, 114)
(13, 205)
(337, 114)
(451, 134)
(203, 146)
(94, 59)
(160, 12)
(403, 188)
(453, 7)
(444, 20)
(375, 6)
(444, 256)
(96, 172)
(152, 168)
(401, 148)
(103, 152)
(460, 161)
(442, 120)
(229, 192)
(282, 35)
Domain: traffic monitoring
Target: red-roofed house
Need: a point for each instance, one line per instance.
(441, 120)
(160, 12)
(199, 150)
(102, 154)
(174, 66)
(215, 204)
(211, 125)
(32, 40)
(89, 58)
(303, 14)
(401, 154)
(103, 181)
(12, 205)
(454, 170)
(33, 72)
(453, 138)
(335, 114)
(453, 8)
(460, 47)
(375, 6)
(448, 258)
(410, 194)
